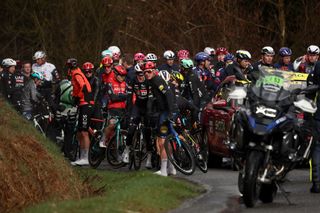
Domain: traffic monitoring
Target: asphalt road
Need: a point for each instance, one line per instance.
(222, 194)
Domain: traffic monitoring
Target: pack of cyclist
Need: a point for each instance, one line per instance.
(141, 89)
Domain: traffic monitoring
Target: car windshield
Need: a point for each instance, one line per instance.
(273, 84)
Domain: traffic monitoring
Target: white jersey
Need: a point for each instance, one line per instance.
(45, 69)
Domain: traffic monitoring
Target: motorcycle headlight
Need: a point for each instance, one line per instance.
(268, 112)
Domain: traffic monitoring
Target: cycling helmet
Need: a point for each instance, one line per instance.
(267, 50)
(149, 65)
(186, 63)
(285, 51)
(183, 54)
(209, 51)
(169, 55)
(201, 56)
(228, 57)
(138, 57)
(72, 63)
(105, 53)
(8, 62)
(165, 75)
(120, 70)
(107, 61)
(177, 76)
(243, 54)
(221, 51)
(114, 49)
(37, 75)
(39, 54)
(151, 57)
(138, 68)
(88, 66)
(313, 49)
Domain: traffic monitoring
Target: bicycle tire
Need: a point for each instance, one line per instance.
(114, 153)
(182, 156)
(96, 153)
(137, 152)
(201, 155)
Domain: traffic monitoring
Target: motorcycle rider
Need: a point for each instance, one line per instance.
(285, 59)
(307, 62)
(315, 158)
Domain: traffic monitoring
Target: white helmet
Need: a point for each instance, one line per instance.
(104, 53)
(209, 51)
(151, 57)
(313, 49)
(243, 54)
(165, 75)
(168, 54)
(39, 54)
(137, 68)
(267, 50)
(8, 62)
(115, 49)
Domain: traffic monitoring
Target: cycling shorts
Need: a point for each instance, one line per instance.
(85, 113)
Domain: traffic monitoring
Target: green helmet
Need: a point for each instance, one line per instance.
(186, 63)
(65, 93)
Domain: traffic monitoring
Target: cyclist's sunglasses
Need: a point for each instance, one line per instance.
(147, 71)
(140, 73)
(87, 71)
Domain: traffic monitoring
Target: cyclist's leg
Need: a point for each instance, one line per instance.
(134, 120)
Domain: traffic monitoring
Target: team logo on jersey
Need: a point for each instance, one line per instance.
(161, 87)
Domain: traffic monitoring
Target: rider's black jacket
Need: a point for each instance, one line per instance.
(234, 69)
(194, 90)
(170, 69)
(141, 92)
(163, 95)
(95, 88)
(12, 85)
(314, 79)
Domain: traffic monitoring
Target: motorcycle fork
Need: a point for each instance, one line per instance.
(266, 166)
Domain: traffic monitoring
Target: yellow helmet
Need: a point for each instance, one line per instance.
(177, 76)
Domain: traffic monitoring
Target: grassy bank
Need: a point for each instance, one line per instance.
(35, 177)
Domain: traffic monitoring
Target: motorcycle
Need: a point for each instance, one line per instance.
(266, 138)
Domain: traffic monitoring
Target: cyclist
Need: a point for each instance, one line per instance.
(170, 66)
(183, 54)
(105, 68)
(168, 111)
(116, 89)
(221, 73)
(30, 95)
(151, 57)
(137, 105)
(49, 73)
(221, 52)
(307, 62)
(203, 71)
(285, 59)
(138, 58)
(116, 54)
(87, 69)
(193, 90)
(267, 55)
(240, 67)
(11, 82)
(83, 95)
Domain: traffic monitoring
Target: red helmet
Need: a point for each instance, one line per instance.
(183, 54)
(149, 65)
(221, 51)
(107, 61)
(88, 66)
(139, 57)
(120, 70)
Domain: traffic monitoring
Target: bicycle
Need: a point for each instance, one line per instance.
(179, 152)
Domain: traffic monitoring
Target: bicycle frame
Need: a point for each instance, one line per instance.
(174, 133)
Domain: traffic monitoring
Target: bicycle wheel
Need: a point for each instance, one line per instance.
(180, 155)
(201, 151)
(138, 150)
(115, 149)
(96, 153)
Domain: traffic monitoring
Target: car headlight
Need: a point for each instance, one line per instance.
(268, 112)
